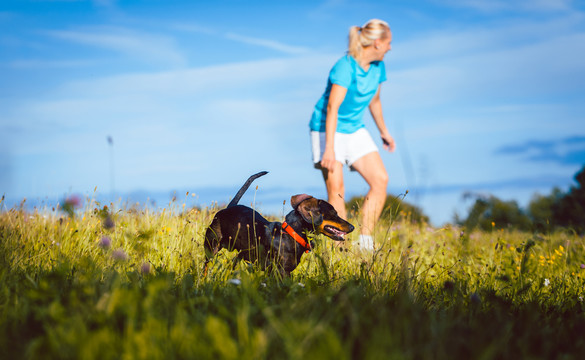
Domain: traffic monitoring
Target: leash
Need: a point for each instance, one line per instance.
(298, 238)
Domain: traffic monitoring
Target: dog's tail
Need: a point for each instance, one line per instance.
(245, 187)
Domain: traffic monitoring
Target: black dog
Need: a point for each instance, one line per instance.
(272, 243)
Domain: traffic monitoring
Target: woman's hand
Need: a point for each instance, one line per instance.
(328, 160)
(388, 141)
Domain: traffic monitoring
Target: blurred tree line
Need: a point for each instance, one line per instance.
(544, 213)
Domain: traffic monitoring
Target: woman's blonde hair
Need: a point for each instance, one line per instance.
(364, 36)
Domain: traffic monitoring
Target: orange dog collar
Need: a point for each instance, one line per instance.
(298, 238)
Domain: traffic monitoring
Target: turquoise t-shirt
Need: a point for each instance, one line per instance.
(361, 87)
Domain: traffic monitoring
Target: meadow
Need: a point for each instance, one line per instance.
(104, 281)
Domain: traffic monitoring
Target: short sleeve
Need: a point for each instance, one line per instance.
(341, 73)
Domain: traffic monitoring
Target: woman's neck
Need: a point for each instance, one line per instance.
(364, 65)
(366, 59)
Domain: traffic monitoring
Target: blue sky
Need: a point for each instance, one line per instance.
(482, 96)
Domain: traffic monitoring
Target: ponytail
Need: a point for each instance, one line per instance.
(355, 46)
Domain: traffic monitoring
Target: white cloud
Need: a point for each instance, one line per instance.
(192, 27)
(137, 45)
(269, 44)
(39, 64)
(249, 40)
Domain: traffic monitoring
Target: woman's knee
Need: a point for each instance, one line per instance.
(380, 181)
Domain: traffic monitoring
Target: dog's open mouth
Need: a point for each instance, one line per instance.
(334, 233)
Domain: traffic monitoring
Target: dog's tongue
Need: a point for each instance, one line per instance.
(336, 231)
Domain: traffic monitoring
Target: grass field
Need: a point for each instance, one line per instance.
(129, 285)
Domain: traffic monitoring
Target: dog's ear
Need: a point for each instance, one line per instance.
(295, 200)
(309, 210)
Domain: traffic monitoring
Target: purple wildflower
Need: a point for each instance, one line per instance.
(105, 242)
(145, 268)
(119, 255)
(108, 223)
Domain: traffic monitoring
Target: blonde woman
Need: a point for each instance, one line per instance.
(338, 133)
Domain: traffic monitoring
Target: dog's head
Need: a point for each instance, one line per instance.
(321, 215)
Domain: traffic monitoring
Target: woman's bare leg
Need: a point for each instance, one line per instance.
(371, 168)
(336, 189)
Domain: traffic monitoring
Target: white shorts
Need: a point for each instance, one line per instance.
(348, 147)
